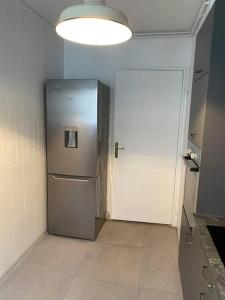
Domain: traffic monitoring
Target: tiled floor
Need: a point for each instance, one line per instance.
(129, 261)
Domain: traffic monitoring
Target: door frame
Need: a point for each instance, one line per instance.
(181, 143)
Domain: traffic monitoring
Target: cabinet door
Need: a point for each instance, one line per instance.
(211, 296)
(203, 47)
(197, 115)
(185, 257)
(201, 280)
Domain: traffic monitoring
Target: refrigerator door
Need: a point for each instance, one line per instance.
(72, 206)
(72, 127)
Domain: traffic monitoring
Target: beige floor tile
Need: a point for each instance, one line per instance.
(159, 270)
(160, 259)
(122, 233)
(87, 289)
(147, 294)
(33, 284)
(57, 254)
(118, 264)
(8, 278)
(161, 237)
(111, 268)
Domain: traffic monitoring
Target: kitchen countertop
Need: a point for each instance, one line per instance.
(210, 250)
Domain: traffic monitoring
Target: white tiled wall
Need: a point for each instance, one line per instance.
(29, 52)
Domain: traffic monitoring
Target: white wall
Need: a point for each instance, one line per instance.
(102, 63)
(29, 52)
(152, 53)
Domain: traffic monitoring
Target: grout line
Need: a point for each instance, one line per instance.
(107, 281)
(103, 281)
(141, 261)
(140, 268)
(77, 271)
(161, 291)
(119, 245)
(82, 260)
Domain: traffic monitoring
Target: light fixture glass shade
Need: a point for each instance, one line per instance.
(93, 24)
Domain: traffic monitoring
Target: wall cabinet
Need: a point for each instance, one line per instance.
(203, 47)
(197, 115)
(200, 80)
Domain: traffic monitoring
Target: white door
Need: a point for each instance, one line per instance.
(146, 124)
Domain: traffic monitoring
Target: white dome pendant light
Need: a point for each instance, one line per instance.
(93, 23)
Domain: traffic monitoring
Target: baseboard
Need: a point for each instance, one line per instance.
(18, 262)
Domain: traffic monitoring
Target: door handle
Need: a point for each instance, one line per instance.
(72, 178)
(193, 167)
(209, 284)
(117, 149)
(188, 238)
(202, 296)
(198, 71)
(193, 135)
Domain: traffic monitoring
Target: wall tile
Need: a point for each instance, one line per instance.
(6, 260)
(6, 237)
(30, 52)
(19, 235)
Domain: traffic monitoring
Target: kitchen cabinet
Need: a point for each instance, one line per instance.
(207, 116)
(197, 115)
(203, 47)
(207, 132)
(196, 275)
(202, 282)
(185, 257)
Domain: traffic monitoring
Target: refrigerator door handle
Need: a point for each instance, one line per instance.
(74, 178)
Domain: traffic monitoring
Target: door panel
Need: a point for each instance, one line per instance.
(146, 124)
(72, 206)
(72, 107)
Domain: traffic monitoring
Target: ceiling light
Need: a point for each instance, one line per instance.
(93, 23)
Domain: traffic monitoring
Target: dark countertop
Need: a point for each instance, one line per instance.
(210, 250)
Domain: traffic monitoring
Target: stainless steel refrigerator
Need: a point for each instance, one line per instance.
(77, 121)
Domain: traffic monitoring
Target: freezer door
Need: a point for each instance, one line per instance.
(72, 207)
(72, 126)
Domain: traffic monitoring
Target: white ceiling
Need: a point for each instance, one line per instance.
(145, 16)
